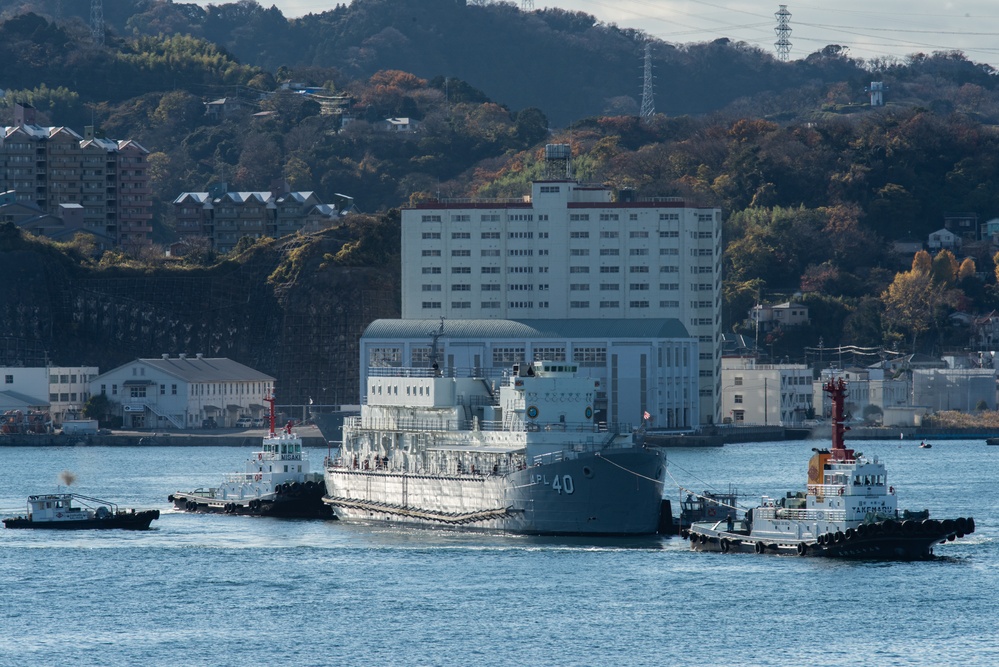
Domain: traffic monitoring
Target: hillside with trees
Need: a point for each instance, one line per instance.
(814, 183)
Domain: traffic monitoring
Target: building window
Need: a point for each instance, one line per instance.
(431, 235)
(431, 218)
(431, 269)
(590, 356)
(162, 390)
(508, 355)
(173, 389)
(638, 269)
(431, 304)
(431, 253)
(609, 252)
(638, 304)
(8, 379)
(461, 269)
(579, 304)
(549, 354)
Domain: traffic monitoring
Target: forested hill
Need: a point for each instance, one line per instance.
(568, 64)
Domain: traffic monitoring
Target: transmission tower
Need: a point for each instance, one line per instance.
(648, 102)
(97, 22)
(783, 31)
(527, 5)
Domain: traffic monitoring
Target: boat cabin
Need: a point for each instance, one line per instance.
(55, 507)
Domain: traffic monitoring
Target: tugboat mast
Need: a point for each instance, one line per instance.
(836, 388)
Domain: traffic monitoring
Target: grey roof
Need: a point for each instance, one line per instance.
(9, 398)
(529, 329)
(217, 369)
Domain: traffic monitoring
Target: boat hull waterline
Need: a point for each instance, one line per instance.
(121, 521)
(885, 540)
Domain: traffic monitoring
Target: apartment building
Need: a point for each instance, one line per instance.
(225, 217)
(51, 166)
(570, 251)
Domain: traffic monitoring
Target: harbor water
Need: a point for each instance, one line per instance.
(226, 590)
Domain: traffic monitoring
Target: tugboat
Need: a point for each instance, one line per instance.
(275, 482)
(57, 511)
(847, 511)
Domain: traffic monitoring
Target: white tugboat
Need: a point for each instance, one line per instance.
(58, 511)
(848, 510)
(525, 457)
(275, 481)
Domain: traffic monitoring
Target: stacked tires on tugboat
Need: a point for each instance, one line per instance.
(275, 481)
(433, 449)
(848, 510)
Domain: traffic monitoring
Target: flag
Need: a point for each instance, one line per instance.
(646, 416)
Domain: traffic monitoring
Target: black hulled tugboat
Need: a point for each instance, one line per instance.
(848, 510)
(275, 481)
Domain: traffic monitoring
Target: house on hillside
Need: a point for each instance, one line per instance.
(943, 239)
(222, 108)
(399, 125)
(787, 314)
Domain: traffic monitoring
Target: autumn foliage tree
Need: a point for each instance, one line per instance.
(917, 299)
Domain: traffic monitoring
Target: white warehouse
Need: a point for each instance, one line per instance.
(643, 365)
(180, 392)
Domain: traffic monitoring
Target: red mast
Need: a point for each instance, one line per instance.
(836, 388)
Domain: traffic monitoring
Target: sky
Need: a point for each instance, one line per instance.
(869, 28)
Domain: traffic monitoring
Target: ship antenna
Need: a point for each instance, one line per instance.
(270, 399)
(435, 335)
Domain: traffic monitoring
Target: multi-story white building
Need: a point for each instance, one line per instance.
(181, 392)
(643, 366)
(768, 394)
(570, 251)
(69, 390)
(865, 387)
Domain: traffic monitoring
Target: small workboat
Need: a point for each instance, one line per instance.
(848, 510)
(60, 511)
(925, 445)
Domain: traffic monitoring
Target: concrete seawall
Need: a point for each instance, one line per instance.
(248, 442)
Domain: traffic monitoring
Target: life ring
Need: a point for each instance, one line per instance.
(260, 456)
(712, 511)
(891, 490)
(259, 477)
(59, 514)
(840, 490)
(588, 412)
(532, 412)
